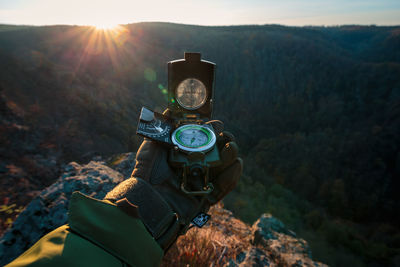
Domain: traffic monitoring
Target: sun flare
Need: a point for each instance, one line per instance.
(105, 26)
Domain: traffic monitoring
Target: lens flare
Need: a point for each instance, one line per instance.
(105, 26)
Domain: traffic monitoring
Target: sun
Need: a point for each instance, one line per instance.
(105, 26)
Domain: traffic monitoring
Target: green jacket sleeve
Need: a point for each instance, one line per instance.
(97, 234)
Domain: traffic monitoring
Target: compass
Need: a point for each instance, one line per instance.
(184, 128)
(194, 138)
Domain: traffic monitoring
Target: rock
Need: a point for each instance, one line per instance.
(270, 243)
(223, 241)
(97, 158)
(266, 227)
(256, 257)
(281, 242)
(241, 257)
(123, 163)
(253, 258)
(227, 241)
(49, 210)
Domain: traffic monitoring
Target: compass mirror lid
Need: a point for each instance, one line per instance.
(189, 76)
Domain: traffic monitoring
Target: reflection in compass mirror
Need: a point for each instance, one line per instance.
(191, 93)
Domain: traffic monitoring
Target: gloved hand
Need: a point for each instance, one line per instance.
(153, 192)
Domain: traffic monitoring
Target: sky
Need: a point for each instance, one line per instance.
(108, 13)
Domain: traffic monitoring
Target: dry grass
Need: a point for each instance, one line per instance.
(194, 249)
(222, 239)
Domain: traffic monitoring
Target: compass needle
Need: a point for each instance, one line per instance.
(194, 138)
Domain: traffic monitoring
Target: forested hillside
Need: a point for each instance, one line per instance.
(316, 112)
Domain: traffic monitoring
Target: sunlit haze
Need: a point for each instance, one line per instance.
(105, 26)
(105, 14)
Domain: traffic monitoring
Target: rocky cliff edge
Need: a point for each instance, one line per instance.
(225, 241)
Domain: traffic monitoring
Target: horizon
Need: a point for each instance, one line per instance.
(199, 25)
(106, 14)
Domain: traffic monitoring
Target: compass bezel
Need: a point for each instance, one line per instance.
(211, 138)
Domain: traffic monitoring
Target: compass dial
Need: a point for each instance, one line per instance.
(194, 138)
(191, 94)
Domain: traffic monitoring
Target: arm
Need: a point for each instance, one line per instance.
(98, 233)
(139, 219)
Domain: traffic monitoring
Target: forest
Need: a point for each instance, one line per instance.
(315, 110)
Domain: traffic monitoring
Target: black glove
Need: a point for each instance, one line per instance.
(153, 192)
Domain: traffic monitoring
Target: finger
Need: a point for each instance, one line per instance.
(223, 138)
(145, 157)
(228, 154)
(226, 181)
(217, 125)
